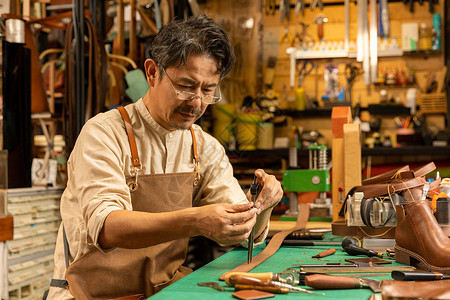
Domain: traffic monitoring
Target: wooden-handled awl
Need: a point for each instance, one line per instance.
(330, 282)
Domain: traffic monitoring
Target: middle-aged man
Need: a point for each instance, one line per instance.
(138, 188)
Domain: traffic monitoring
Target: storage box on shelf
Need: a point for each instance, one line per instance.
(433, 103)
(30, 253)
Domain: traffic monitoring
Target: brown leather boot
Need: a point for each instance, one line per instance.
(420, 241)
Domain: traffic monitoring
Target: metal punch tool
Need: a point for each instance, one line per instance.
(254, 191)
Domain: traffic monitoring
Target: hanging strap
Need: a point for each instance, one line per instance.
(275, 242)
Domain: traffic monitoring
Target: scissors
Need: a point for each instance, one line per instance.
(254, 191)
(351, 72)
(270, 7)
(305, 68)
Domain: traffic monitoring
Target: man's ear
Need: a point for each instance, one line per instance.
(151, 71)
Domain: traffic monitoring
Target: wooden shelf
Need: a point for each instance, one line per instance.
(378, 151)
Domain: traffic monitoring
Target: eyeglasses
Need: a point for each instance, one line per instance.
(188, 96)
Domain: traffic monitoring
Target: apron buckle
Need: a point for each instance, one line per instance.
(197, 170)
(133, 185)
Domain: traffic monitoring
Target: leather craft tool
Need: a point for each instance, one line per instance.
(284, 10)
(275, 243)
(291, 276)
(418, 276)
(303, 70)
(327, 282)
(325, 253)
(351, 72)
(299, 6)
(316, 3)
(245, 282)
(254, 191)
(291, 243)
(212, 284)
(353, 247)
(270, 7)
(355, 267)
(305, 235)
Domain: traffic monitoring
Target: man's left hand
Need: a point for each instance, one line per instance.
(271, 191)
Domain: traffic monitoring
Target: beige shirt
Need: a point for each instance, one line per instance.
(100, 161)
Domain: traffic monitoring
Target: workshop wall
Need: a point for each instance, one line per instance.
(275, 44)
(262, 57)
(241, 20)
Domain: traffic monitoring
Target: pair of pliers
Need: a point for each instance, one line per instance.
(285, 6)
(254, 191)
(286, 35)
(316, 3)
(270, 7)
(300, 6)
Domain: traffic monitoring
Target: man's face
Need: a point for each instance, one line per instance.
(199, 75)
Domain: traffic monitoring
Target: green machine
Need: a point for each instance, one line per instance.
(316, 178)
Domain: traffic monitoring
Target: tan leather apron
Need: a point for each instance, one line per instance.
(125, 272)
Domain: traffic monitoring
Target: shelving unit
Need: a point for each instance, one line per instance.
(30, 253)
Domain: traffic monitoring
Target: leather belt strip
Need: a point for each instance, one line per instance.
(274, 243)
(387, 176)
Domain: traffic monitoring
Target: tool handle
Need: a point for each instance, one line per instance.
(235, 276)
(270, 289)
(416, 276)
(248, 280)
(327, 282)
(325, 253)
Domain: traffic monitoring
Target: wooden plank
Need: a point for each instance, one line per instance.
(338, 176)
(352, 156)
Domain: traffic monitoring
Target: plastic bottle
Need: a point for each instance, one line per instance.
(436, 32)
(425, 37)
(394, 43)
(411, 95)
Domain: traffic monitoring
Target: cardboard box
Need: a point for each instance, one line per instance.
(410, 36)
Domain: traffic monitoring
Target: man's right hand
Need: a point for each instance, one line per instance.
(227, 224)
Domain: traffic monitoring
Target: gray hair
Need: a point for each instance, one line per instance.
(179, 39)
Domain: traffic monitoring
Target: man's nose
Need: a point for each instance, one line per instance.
(197, 100)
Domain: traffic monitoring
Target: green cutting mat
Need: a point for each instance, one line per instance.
(285, 257)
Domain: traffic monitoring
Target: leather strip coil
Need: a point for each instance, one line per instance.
(275, 242)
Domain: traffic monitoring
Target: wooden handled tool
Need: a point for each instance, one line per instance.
(330, 282)
(325, 253)
(262, 276)
(418, 276)
(268, 285)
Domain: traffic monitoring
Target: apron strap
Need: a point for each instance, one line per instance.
(131, 139)
(62, 283)
(134, 151)
(196, 160)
